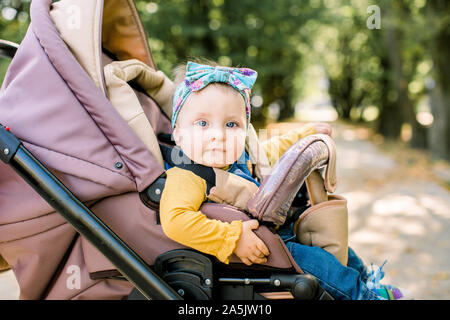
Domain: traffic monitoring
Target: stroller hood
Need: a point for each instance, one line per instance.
(53, 105)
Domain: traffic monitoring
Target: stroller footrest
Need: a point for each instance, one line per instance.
(301, 286)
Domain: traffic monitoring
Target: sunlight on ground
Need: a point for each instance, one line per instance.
(317, 108)
(393, 214)
(9, 289)
(398, 225)
(348, 157)
(398, 204)
(355, 134)
(358, 199)
(317, 115)
(434, 203)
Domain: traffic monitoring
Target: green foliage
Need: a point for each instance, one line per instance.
(388, 68)
(260, 34)
(387, 76)
(14, 21)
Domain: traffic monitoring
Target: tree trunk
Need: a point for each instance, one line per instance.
(400, 83)
(341, 88)
(390, 118)
(439, 138)
(287, 109)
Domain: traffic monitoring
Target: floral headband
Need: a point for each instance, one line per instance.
(198, 76)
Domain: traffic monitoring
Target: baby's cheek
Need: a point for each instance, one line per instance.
(236, 144)
(187, 142)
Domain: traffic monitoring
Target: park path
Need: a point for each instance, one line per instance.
(398, 211)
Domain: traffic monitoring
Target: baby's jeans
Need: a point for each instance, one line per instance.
(343, 283)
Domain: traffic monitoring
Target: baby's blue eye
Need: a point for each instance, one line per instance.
(202, 123)
(231, 124)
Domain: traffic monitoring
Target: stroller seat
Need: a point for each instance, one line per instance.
(70, 124)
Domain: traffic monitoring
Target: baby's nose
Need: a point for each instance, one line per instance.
(217, 134)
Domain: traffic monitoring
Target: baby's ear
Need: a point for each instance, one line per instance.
(176, 135)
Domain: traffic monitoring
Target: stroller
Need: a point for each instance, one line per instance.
(81, 173)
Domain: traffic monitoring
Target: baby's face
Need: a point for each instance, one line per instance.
(211, 126)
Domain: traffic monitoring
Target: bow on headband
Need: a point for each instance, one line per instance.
(199, 76)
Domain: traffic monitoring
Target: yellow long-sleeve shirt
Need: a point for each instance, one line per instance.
(184, 193)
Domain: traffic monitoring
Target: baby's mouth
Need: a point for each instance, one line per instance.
(215, 149)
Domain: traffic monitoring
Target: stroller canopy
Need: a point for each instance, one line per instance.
(51, 102)
(54, 100)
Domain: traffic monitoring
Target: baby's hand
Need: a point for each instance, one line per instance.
(249, 248)
(322, 127)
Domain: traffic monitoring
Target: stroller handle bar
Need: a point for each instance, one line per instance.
(132, 267)
(300, 162)
(8, 49)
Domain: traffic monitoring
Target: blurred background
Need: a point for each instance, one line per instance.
(317, 59)
(377, 71)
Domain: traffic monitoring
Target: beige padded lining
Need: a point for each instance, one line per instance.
(88, 25)
(78, 23)
(231, 189)
(123, 98)
(256, 153)
(325, 225)
(122, 32)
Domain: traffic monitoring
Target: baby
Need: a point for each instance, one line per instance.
(210, 119)
(211, 114)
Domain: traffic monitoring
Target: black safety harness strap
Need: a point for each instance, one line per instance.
(175, 157)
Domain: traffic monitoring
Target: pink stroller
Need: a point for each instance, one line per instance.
(80, 184)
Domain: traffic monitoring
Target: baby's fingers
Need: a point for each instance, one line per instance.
(256, 259)
(262, 247)
(246, 261)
